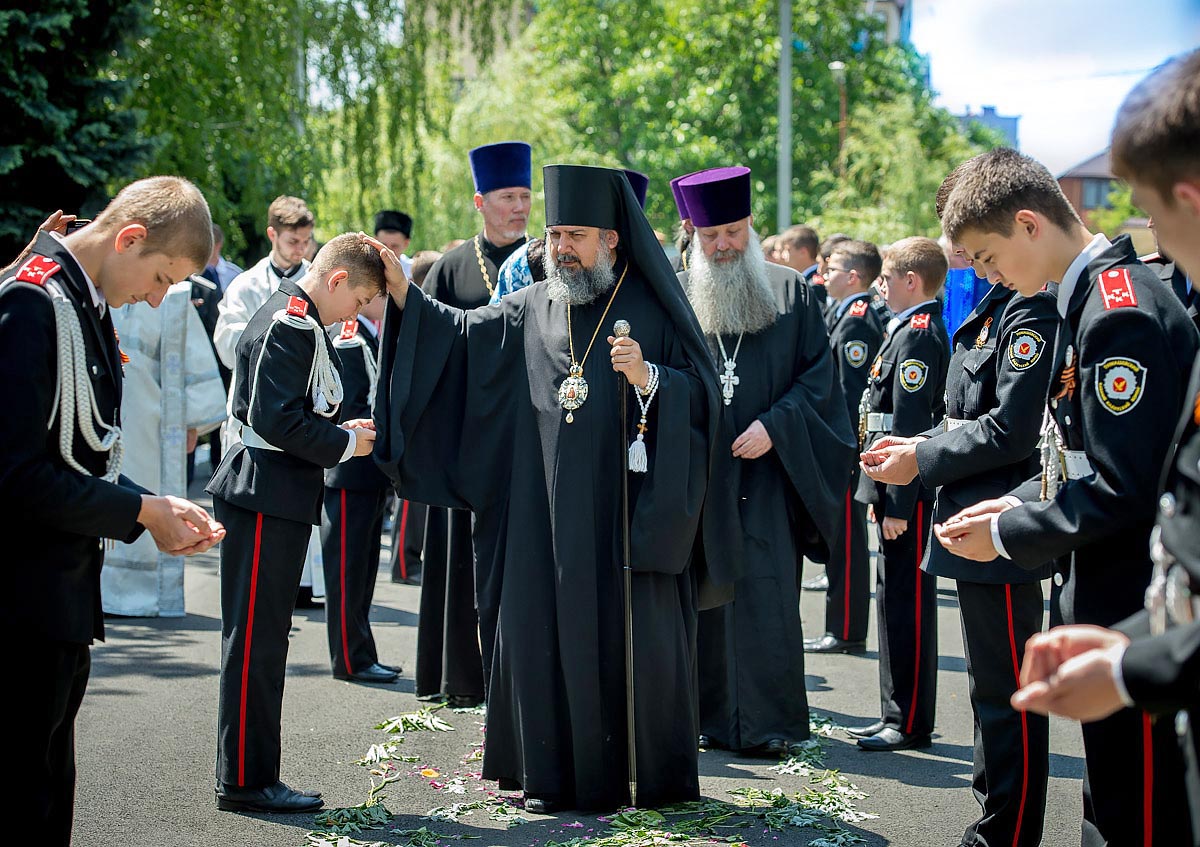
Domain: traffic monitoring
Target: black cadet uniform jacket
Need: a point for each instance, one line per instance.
(287, 483)
(355, 345)
(1120, 371)
(855, 337)
(997, 381)
(908, 381)
(52, 516)
(1173, 275)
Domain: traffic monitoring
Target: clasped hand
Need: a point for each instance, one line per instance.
(179, 527)
(627, 359)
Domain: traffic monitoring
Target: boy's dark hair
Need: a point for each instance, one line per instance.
(922, 256)
(288, 213)
(535, 256)
(943, 193)
(174, 213)
(1156, 138)
(830, 245)
(801, 237)
(359, 259)
(422, 262)
(861, 256)
(991, 188)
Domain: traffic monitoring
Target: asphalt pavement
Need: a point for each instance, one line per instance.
(147, 742)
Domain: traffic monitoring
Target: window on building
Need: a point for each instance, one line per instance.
(1095, 193)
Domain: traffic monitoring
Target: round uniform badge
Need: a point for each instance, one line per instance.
(1120, 384)
(912, 374)
(1025, 349)
(856, 353)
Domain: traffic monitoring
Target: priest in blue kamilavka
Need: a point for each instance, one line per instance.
(514, 409)
(781, 463)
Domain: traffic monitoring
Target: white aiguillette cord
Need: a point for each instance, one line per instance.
(638, 462)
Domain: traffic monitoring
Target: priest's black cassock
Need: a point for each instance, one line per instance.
(469, 418)
(455, 635)
(780, 507)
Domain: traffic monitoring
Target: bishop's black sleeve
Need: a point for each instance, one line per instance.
(1126, 450)
(914, 397)
(33, 482)
(810, 430)
(279, 410)
(1008, 432)
(445, 385)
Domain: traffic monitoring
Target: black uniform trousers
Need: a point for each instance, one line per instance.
(408, 539)
(906, 606)
(261, 561)
(1012, 749)
(53, 678)
(351, 534)
(848, 600)
(449, 661)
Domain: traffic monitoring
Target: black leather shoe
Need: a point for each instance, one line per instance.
(541, 805)
(865, 731)
(832, 644)
(375, 673)
(396, 669)
(303, 791)
(817, 583)
(274, 798)
(775, 748)
(704, 742)
(889, 738)
(463, 701)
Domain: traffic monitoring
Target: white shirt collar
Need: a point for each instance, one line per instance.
(97, 297)
(846, 302)
(368, 325)
(1066, 286)
(903, 316)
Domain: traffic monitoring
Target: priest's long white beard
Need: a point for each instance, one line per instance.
(577, 285)
(733, 296)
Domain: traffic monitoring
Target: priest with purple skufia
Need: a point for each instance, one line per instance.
(514, 410)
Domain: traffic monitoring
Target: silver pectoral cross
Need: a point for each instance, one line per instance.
(728, 380)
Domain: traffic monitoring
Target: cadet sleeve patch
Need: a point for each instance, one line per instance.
(1116, 287)
(858, 308)
(1120, 384)
(920, 321)
(912, 374)
(856, 352)
(349, 329)
(1025, 348)
(37, 270)
(297, 306)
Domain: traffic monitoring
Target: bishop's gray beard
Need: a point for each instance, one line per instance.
(734, 296)
(576, 285)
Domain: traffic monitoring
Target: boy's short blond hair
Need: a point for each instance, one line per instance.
(422, 264)
(922, 256)
(174, 213)
(359, 259)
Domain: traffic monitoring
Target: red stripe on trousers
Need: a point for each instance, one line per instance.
(1147, 781)
(1012, 643)
(912, 709)
(345, 647)
(846, 579)
(246, 653)
(400, 540)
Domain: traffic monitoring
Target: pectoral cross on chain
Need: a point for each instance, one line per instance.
(728, 380)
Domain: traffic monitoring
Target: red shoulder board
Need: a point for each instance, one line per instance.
(37, 270)
(858, 308)
(920, 321)
(1116, 288)
(349, 329)
(297, 306)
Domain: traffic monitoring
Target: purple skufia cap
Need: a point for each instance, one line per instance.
(679, 202)
(639, 182)
(505, 164)
(716, 196)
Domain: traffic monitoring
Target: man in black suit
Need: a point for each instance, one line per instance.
(268, 491)
(352, 518)
(62, 492)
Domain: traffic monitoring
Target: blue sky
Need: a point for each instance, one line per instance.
(1063, 66)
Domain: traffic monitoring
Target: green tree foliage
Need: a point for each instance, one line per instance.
(66, 133)
(1111, 221)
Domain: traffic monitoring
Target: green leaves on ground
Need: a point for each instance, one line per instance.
(423, 720)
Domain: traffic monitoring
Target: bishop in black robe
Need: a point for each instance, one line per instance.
(468, 417)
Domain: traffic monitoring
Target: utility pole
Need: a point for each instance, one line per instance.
(838, 69)
(783, 218)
